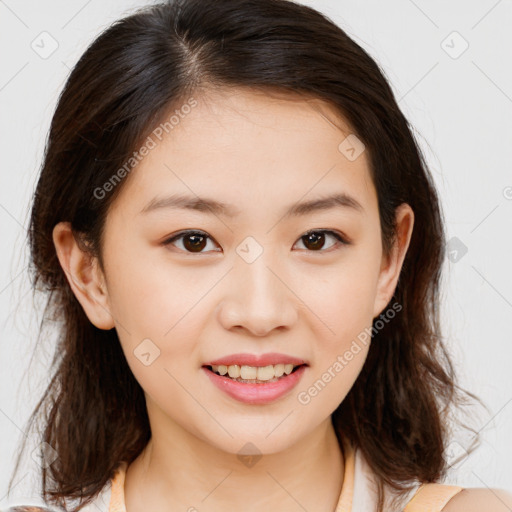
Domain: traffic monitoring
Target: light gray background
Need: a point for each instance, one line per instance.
(461, 107)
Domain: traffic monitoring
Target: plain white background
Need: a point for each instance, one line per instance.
(450, 67)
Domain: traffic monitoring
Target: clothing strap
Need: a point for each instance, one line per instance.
(432, 497)
(117, 490)
(347, 490)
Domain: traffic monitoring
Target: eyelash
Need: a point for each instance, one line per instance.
(183, 234)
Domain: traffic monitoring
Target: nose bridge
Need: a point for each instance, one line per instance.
(259, 298)
(255, 267)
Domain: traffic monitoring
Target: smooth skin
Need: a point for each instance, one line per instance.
(259, 154)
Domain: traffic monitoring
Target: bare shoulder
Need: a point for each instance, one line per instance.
(475, 499)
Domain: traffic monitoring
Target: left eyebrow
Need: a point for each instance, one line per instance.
(212, 206)
(340, 200)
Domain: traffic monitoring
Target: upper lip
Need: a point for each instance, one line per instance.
(270, 358)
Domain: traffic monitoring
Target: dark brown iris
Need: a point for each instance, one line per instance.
(197, 243)
(316, 240)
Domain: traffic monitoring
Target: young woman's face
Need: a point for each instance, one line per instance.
(247, 280)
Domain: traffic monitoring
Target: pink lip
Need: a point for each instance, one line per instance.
(257, 394)
(257, 360)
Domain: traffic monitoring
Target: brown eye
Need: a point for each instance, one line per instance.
(194, 243)
(315, 240)
(191, 241)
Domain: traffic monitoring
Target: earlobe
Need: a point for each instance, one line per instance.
(392, 265)
(84, 276)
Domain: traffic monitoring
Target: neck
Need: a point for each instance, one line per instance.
(178, 471)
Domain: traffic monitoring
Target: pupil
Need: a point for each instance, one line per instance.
(315, 238)
(195, 247)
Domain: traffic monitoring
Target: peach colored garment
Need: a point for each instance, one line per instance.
(428, 497)
(432, 497)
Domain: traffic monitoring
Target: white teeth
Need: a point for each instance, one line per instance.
(248, 372)
(265, 372)
(253, 372)
(279, 370)
(233, 371)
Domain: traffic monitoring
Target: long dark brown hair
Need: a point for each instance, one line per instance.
(93, 412)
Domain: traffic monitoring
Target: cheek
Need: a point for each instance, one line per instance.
(153, 300)
(347, 311)
(343, 298)
(342, 342)
(147, 296)
(156, 316)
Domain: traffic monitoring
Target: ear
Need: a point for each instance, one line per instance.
(84, 276)
(392, 265)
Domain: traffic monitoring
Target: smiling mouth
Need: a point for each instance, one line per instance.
(271, 373)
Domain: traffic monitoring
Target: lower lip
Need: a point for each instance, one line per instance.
(256, 393)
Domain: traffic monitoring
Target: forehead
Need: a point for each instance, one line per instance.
(230, 117)
(247, 147)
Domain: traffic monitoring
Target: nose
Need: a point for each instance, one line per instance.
(259, 298)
